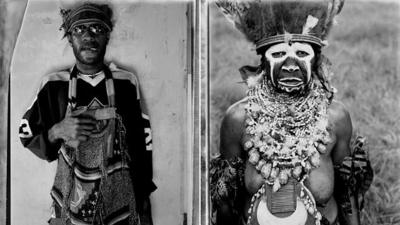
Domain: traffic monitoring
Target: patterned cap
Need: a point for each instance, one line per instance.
(86, 13)
(267, 22)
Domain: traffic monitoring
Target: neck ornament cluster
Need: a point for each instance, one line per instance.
(287, 135)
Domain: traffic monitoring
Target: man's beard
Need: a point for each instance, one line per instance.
(90, 54)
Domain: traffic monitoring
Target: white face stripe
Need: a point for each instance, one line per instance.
(290, 51)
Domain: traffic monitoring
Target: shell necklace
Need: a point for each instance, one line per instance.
(287, 135)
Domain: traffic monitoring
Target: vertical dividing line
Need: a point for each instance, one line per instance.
(205, 110)
(4, 150)
(196, 101)
(208, 94)
(188, 160)
(8, 186)
(200, 117)
(11, 40)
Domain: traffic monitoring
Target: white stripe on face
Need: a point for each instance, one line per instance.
(277, 54)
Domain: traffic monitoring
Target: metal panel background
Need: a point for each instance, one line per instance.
(149, 39)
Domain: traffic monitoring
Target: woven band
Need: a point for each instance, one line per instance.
(287, 38)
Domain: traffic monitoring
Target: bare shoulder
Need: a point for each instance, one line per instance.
(341, 127)
(232, 129)
(236, 113)
(339, 117)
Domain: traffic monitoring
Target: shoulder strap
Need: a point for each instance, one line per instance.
(72, 93)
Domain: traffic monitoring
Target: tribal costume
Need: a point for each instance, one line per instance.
(287, 133)
(105, 179)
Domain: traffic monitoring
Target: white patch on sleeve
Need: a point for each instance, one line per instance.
(335, 22)
(120, 74)
(149, 146)
(24, 129)
(325, 43)
(144, 116)
(310, 24)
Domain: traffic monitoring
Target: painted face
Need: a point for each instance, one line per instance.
(89, 42)
(290, 66)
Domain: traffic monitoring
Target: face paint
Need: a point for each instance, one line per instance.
(290, 66)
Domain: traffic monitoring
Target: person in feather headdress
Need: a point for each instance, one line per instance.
(90, 118)
(285, 148)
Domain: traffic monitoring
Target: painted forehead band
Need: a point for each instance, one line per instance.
(289, 38)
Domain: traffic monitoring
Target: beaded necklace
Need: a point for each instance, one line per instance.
(287, 135)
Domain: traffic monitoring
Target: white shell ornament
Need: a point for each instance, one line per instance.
(321, 148)
(297, 171)
(266, 170)
(254, 157)
(260, 164)
(248, 145)
(274, 172)
(276, 185)
(315, 160)
(284, 176)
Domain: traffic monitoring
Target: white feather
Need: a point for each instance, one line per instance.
(253, 81)
(310, 24)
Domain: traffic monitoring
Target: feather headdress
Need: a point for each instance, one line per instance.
(267, 22)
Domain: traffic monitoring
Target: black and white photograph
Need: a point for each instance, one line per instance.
(199, 112)
(99, 113)
(304, 109)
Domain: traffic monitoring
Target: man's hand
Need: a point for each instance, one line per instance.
(72, 128)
